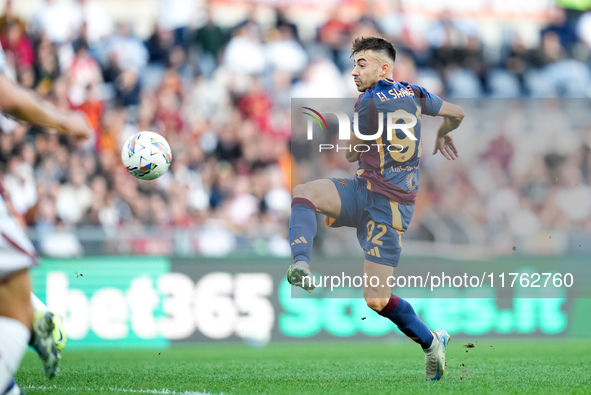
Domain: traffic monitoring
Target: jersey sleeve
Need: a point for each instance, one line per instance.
(430, 103)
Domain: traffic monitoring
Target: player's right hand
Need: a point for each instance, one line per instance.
(76, 125)
(446, 146)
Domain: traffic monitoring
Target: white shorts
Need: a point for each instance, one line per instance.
(16, 250)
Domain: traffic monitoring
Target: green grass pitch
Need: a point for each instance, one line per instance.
(492, 366)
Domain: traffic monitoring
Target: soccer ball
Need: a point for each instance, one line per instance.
(146, 155)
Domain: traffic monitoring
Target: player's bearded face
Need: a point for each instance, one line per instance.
(366, 72)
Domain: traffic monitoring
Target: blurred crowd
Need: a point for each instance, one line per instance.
(221, 97)
(522, 184)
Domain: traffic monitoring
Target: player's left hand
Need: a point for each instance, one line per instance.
(446, 145)
(76, 125)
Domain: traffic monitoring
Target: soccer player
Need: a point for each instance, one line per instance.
(17, 254)
(379, 201)
(43, 318)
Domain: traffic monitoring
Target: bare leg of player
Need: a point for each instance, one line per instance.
(377, 297)
(317, 196)
(323, 194)
(16, 317)
(401, 313)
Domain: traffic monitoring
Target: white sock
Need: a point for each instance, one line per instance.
(38, 305)
(13, 344)
(433, 343)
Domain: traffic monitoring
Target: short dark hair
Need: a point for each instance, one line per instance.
(377, 44)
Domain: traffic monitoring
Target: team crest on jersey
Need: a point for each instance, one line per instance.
(411, 182)
(342, 182)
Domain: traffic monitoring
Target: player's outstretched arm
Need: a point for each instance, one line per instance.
(26, 105)
(452, 118)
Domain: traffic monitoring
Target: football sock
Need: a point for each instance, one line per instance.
(12, 388)
(302, 229)
(38, 305)
(13, 344)
(400, 312)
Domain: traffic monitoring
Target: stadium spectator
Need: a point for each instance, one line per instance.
(92, 21)
(17, 45)
(50, 11)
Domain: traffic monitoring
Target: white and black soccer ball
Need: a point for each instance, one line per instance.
(146, 155)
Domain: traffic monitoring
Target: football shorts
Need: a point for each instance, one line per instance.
(380, 222)
(16, 250)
